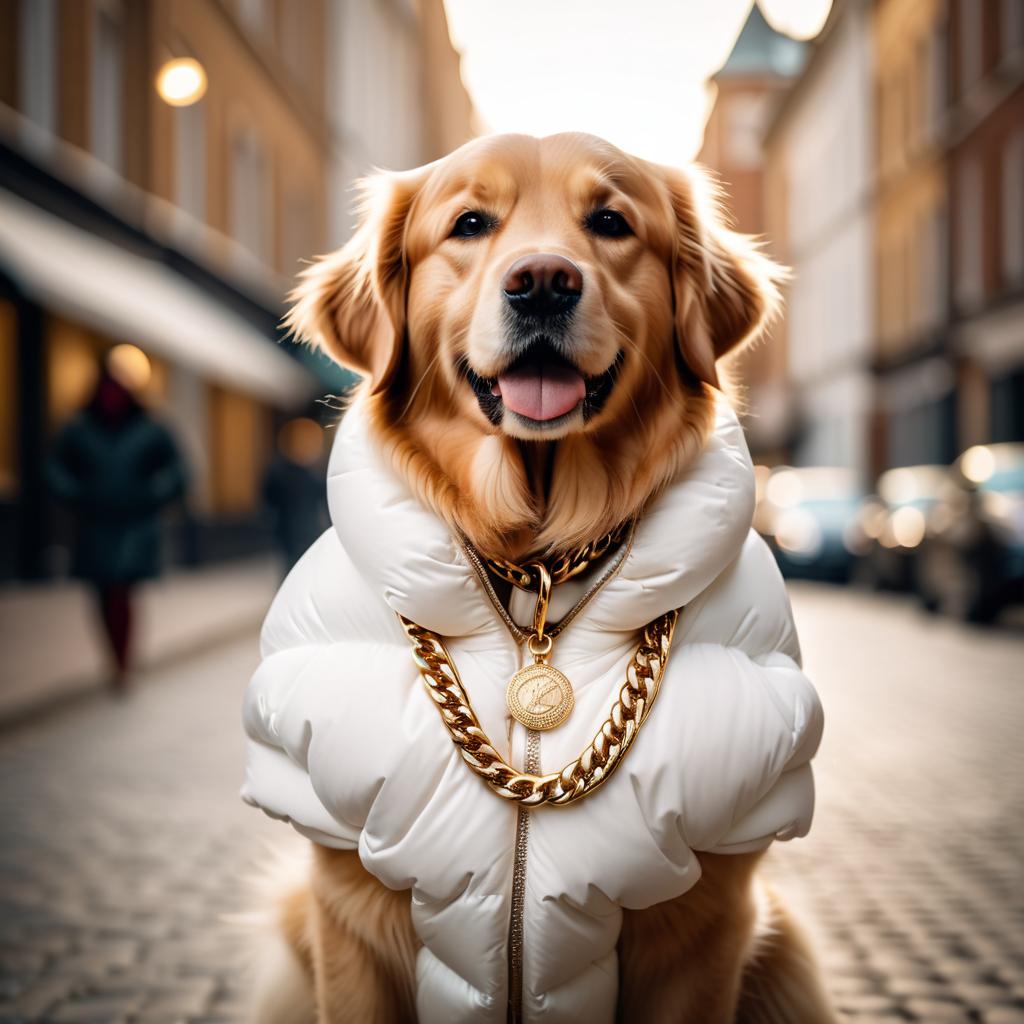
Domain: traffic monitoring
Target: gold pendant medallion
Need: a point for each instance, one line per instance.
(539, 696)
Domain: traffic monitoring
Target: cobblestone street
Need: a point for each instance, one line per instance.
(125, 846)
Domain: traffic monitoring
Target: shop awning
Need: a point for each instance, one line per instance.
(133, 298)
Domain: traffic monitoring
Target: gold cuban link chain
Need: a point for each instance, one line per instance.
(577, 779)
(565, 567)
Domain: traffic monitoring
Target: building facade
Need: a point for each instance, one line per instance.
(126, 219)
(986, 197)
(748, 89)
(399, 101)
(819, 169)
(915, 397)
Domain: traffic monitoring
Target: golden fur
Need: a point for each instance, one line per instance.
(403, 303)
(406, 305)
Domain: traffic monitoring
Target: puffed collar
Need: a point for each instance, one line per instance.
(688, 535)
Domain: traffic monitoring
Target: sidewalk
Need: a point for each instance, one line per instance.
(51, 647)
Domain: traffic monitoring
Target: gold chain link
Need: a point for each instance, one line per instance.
(577, 779)
(565, 567)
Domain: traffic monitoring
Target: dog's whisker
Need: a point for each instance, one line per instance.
(423, 376)
(643, 355)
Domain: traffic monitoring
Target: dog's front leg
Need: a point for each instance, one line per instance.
(681, 962)
(362, 942)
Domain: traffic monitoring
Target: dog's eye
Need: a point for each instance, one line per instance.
(609, 223)
(472, 223)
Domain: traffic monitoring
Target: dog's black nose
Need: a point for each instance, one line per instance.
(543, 284)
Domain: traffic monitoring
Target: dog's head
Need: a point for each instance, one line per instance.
(538, 290)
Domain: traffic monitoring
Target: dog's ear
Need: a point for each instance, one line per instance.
(352, 302)
(725, 290)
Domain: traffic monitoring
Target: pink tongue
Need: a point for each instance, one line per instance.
(542, 393)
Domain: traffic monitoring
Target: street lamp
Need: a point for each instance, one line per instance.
(181, 82)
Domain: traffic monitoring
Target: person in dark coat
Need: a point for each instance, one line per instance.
(116, 468)
(294, 489)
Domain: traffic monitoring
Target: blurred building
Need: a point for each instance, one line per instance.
(893, 186)
(986, 197)
(915, 401)
(125, 218)
(748, 89)
(399, 101)
(819, 183)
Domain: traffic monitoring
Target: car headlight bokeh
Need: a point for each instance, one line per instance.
(797, 532)
(908, 526)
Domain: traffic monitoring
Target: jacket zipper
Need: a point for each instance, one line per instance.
(515, 930)
(531, 766)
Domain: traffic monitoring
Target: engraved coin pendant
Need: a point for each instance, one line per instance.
(539, 697)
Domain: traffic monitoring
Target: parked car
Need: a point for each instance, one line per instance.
(971, 562)
(896, 521)
(810, 517)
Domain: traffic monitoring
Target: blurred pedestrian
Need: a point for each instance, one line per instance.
(116, 468)
(294, 488)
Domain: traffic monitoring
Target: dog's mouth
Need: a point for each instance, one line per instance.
(542, 388)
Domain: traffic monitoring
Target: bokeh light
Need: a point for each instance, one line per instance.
(978, 464)
(801, 19)
(129, 366)
(181, 82)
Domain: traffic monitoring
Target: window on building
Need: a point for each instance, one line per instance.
(296, 232)
(744, 127)
(37, 79)
(1012, 219)
(971, 57)
(296, 34)
(969, 283)
(940, 282)
(937, 84)
(1012, 26)
(190, 159)
(250, 194)
(106, 100)
(255, 16)
(924, 270)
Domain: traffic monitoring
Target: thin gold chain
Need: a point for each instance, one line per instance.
(594, 766)
(479, 565)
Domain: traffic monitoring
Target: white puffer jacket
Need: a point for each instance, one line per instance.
(345, 743)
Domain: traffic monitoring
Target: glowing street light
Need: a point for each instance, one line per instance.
(181, 82)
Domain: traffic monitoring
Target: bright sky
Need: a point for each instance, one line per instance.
(632, 71)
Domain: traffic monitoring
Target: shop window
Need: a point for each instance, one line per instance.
(72, 363)
(1007, 407)
(239, 443)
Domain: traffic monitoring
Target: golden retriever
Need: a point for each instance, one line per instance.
(538, 322)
